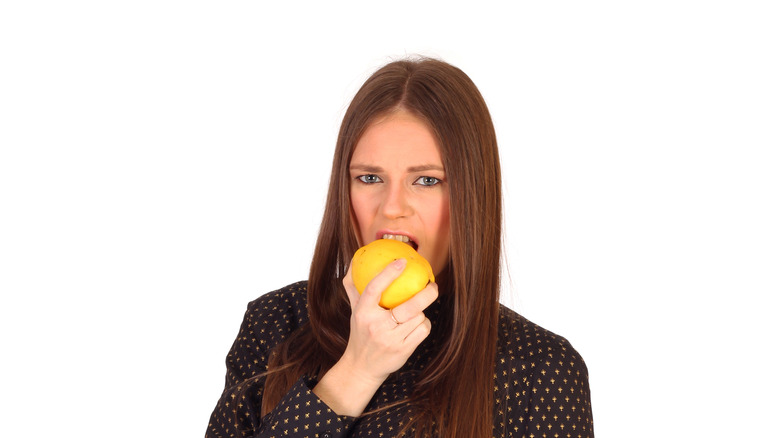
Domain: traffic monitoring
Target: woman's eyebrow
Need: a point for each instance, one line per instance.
(424, 167)
(365, 168)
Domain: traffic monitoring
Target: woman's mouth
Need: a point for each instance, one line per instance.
(401, 238)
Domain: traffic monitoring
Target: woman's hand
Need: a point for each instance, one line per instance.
(378, 345)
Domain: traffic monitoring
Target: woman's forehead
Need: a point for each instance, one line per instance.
(399, 139)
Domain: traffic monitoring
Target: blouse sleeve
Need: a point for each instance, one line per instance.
(300, 413)
(559, 396)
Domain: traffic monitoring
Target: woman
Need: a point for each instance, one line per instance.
(417, 159)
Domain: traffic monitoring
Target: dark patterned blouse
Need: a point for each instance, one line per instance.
(541, 383)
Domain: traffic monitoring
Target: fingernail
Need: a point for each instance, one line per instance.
(399, 264)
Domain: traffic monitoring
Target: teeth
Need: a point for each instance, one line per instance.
(398, 237)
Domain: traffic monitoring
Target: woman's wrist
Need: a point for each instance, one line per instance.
(345, 390)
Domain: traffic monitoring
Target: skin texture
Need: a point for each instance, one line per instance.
(398, 186)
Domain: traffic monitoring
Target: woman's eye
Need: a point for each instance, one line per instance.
(369, 179)
(427, 181)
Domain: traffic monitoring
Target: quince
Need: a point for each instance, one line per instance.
(371, 259)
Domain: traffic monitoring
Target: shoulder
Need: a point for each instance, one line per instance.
(289, 298)
(277, 313)
(522, 341)
(539, 370)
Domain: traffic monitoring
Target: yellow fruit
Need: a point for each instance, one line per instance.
(371, 259)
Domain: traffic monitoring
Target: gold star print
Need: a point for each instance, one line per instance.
(525, 398)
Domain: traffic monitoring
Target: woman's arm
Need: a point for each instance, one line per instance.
(300, 413)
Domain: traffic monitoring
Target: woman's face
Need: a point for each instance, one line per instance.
(398, 187)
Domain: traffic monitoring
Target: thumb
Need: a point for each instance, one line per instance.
(383, 280)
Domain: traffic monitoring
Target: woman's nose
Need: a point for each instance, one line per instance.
(396, 202)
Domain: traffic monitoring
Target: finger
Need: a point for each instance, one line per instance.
(418, 334)
(349, 287)
(417, 303)
(403, 329)
(382, 281)
(393, 318)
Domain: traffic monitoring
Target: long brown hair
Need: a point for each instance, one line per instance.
(455, 391)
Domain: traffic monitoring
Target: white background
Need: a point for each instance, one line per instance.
(163, 163)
